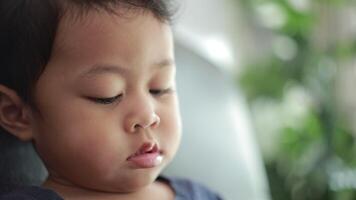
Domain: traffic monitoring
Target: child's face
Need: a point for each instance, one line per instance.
(89, 142)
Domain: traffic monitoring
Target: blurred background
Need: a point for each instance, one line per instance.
(292, 66)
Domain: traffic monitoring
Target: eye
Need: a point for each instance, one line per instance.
(160, 92)
(108, 100)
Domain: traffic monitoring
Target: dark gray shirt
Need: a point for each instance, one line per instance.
(184, 190)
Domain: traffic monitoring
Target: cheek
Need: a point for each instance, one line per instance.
(78, 137)
(171, 126)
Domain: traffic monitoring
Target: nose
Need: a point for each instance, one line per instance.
(142, 115)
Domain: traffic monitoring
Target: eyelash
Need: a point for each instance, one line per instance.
(110, 100)
(160, 92)
(107, 100)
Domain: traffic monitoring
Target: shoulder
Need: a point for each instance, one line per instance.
(27, 193)
(186, 189)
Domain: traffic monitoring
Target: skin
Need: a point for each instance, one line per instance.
(84, 142)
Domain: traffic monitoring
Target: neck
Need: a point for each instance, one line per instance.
(72, 192)
(68, 191)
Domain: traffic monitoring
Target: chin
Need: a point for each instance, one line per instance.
(132, 183)
(141, 182)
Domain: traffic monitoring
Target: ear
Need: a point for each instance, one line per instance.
(15, 115)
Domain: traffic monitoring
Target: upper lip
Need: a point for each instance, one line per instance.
(147, 147)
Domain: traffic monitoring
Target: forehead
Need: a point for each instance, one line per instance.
(105, 37)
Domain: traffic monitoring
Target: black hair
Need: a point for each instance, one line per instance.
(28, 29)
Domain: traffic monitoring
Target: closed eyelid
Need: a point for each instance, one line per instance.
(108, 100)
(160, 92)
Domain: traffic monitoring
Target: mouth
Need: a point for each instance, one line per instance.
(147, 156)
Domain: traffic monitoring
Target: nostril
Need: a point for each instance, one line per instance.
(156, 121)
(135, 128)
(152, 122)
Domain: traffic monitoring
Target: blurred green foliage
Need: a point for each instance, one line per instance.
(310, 149)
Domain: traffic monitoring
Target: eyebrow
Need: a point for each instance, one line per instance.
(115, 69)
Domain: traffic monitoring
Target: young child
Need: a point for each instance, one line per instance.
(92, 84)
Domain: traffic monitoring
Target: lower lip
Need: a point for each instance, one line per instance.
(147, 160)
